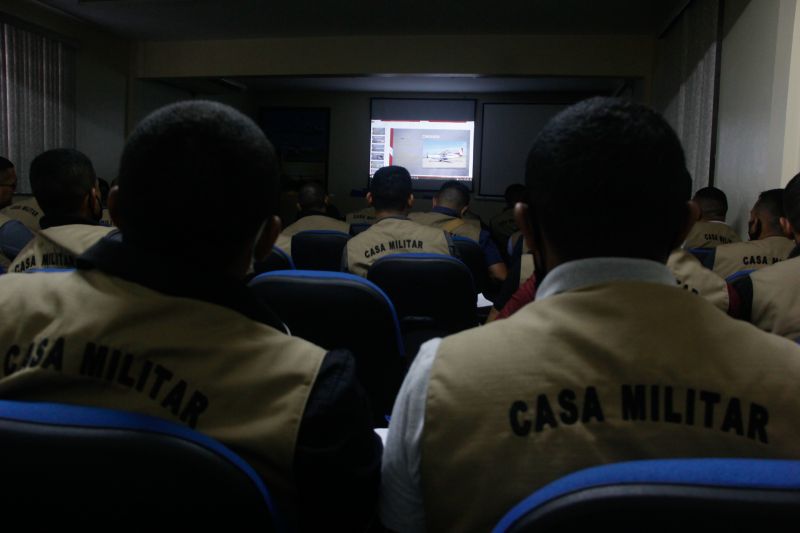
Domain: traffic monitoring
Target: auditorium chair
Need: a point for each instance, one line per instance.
(276, 260)
(339, 310)
(70, 467)
(357, 228)
(319, 250)
(434, 294)
(705, 494)
(472, 255)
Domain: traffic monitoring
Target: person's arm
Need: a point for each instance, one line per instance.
(338, 455)
(494, 261)
(401, 506)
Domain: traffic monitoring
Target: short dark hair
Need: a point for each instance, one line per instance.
(200, 155)
(607, 177)
(712, 202)
(60, 180)
(770, 203)
(311, 196)
(390, 188)
(791, 202)
(514, 193)
(453, 194)
(5, 164)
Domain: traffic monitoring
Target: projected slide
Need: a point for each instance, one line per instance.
(429, 150)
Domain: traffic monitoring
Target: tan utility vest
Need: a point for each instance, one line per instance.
(503, 225)
(105, 219)
(363, 216)
(91, 339)
(708, 234)
(609, 373)
(776, 298)
(470, 229)
(26, 211)
(57, 247)
(751, 255)
(393, 235)
(308, 223)
(526, 267)
(692, 276)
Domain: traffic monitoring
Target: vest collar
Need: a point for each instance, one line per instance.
(65, 220)
(398, 217)
(583, 273)
(445, 211)
(113, 256)
(311, 212)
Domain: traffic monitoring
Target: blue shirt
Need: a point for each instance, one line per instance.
(490, 252)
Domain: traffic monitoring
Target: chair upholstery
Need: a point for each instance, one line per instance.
(357, 228)
(319, 250)
(101, 469)
(340, 310)
(706, 494)
(276, 260)
(472, 255)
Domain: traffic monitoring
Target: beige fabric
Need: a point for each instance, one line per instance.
(470, 229)
(284, 243)
(568, 382)
(751, 255)
(57, 247)
(27, 211)
(776, 298)
(184, 360)
(106, 218)
(363, 216)
(692, 276)
(526, 267)
(308, 223)
(707, 234)
(392, 235)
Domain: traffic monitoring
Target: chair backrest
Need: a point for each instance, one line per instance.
(433, 294)
(68, 465)
(319, 249)
(358, 227)
(339, 310)
(276, 260)
(472, 255)
(666, 495)
(738, 275)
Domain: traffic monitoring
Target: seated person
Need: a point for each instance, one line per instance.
(768, 242)
(393, 232)
(711, 230)
(612, 362)
(503, 225)
(362, 216)
(450, 205)
(13, 234)
(312, 201)
(148, 324)
(770, 297)
(65, 186)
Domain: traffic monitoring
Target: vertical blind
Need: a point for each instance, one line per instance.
(37, 96)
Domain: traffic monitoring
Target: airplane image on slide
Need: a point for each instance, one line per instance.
(445, 156)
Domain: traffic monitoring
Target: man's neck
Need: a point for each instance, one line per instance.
(389, 213)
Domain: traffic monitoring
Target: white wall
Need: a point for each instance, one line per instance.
(755, 96)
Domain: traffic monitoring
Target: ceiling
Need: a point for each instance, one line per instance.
(225, 19)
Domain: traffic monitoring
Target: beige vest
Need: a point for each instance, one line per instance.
(364, 216)
(392, 236)
(776, 298)
(57, 247)
(105, 219)
(503, 226)
(308, 223)
(708, 234)
(185, 360)
(691, 275)
(27, 211)
(470, 229)
(609, 373)
(526, 267)
(751, 255)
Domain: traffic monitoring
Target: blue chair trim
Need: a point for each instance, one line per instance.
(737, 275)
(324, 232)
(286, 256)
(35, 270)
(426, 255)
(463, 239)
(753, 473)
(98, 417)
(321, 274)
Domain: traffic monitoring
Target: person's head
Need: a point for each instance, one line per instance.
(712, 202)
(790, 223)
(312, 197)
(514, 194)
(453, 195)
(605, 178)
(390, 190)
(765, 217)
(8, 182)
(201, 155)
(65, 185)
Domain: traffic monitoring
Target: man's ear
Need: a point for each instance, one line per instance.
(464, 211)
(267, 237)
(524, 224)
(692, 215)
(410, 201)
(787, 228)
(113, 207)
(369, 199)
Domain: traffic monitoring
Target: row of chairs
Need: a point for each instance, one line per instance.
(67, 465)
